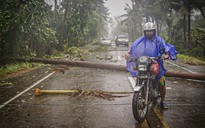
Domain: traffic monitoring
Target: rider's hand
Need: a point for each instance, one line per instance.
(166, 56)
(127, 55)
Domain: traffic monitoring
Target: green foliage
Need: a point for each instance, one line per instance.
(35, 30)
(14, 67)
(198, 44)
(25, 29)
(177, 20)
(84, 22)
(190, 60)
(72, 50)
(32, 28)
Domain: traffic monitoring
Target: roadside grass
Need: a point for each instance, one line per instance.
(191, 60)
(11, 68)
(4, 83)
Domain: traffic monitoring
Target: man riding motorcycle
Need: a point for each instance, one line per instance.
(150, 45)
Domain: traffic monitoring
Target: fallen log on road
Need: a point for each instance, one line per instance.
(76, 63)
(196, 76)
(87, 64)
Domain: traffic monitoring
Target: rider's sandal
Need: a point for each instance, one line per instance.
(164, 105)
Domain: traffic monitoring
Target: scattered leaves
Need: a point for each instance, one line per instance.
(95, 93)
(6, 84)
(61, 69)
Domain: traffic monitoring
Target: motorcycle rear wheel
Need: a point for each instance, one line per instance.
(139, 108)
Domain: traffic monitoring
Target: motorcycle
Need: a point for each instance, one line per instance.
(147, 89)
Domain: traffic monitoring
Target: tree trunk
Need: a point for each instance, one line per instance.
(185, 25)
(158, 31)
(2, 53)
(55, 10)
(55, 5)
(11, 40)
(196, 76)
(110, 67)
(202, 13)
(135, 28)
(189, 25)
(169, 31)
(64, 21)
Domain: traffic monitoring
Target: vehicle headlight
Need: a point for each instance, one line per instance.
(142, 68)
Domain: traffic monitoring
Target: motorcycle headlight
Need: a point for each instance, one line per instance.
(142, 68)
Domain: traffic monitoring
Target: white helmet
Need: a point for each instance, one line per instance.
(149, 26)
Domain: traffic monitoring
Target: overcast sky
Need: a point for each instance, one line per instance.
(116, 7)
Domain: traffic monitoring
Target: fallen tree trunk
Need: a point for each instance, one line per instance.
(169, 73)
(196, 76)
(76, 63)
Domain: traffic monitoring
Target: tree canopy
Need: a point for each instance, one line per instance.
(177, 20)
(35, 28)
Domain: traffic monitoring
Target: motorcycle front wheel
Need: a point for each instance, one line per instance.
(139, 108)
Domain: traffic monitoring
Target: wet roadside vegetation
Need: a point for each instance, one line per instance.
(78, 33)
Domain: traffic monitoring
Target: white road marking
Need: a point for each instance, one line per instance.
(180, 67)
(7, 102)
(132, 82)
(201, 81)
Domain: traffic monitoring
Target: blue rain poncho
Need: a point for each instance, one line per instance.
(150, 47)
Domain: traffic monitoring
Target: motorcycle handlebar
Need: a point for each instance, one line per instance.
(152, 58)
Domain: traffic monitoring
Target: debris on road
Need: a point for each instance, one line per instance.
(61, 69)
(79, 92)
(6, 83)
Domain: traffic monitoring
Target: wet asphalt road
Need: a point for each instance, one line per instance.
(184, 97)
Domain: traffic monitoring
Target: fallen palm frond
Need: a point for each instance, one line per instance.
(86, 93)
